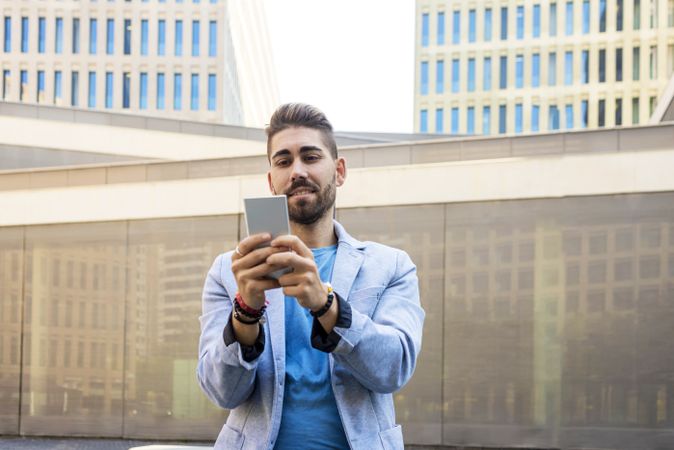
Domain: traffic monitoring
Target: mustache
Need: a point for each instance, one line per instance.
(302, 183)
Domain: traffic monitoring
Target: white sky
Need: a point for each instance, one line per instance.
(354, 59)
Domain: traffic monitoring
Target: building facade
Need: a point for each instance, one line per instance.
(204, 60)
(506, 67)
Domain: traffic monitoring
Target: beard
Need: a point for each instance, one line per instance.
(307, 212)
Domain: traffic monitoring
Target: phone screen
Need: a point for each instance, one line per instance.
(268, 215)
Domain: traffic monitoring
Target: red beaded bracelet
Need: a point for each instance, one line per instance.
(252, 311)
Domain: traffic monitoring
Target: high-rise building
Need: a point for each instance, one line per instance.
(502, 67)
(206, 60)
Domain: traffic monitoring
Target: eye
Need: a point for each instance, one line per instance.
(281, 162)
(312, 157)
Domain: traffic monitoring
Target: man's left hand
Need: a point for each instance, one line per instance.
(303, 282)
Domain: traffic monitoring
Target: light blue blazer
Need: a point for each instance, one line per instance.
(374, 357)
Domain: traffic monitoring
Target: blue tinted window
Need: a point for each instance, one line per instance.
(127, 36)
(142, 101)
(455, 120)
(424, 78)
(487, 24)
(520, 22)
(455, 75)
(194, 92)
(568, 112)
(569, 19)
(456, 27)
(439, 120)
(518, 118)
(58, 87)
(553, 19)
(636, 17)
(212, 92)
(74, 88)
(41, 32)
(93, 35)
(553, 118)
(177, 91)
(602, 16)
(470, 120)
(536, 25)
(502, 119)
(58, 36)
(586, 16)
(440, 77)
(7, 45)
(504, 23)
(568, 68)
(471, 74)
(471, 26)
(619, 15)
(619, 64)
(486, 74)
(76, 36)
(178, 44)
(552, 69)
(144, 32)
(91, 102)
(519, 71)
(195, 37)
(40, 86)
(585, 67)
(161, 37)
(535, 70)
(503, 72)
(486, 120)
(110, 37)
(583, 114)
(441, 28)
(424, 30)
(23, 84)
(535, 117)
(24, 35)
(126, 90)
(212, 38)
(161, 91)
(108, 89)
(602, 65)
(423, 121)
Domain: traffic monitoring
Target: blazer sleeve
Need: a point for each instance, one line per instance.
(381, 352)
(223, 372)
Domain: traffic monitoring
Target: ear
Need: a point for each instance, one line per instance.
(340, 170)
(271, 186)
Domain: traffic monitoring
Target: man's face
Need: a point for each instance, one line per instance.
(302, 168)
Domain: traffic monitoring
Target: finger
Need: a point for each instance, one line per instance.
(297, 262)
(250, 243)
(254, 258)
(266, 284)
(260, 271)
(294, 243)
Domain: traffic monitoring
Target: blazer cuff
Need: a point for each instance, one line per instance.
(248, 352)
(327, 342)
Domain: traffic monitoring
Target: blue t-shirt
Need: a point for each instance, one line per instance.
(310, 418)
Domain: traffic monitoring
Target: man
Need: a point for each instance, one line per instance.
(309, 360)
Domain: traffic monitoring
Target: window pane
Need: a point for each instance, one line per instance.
(504, 23)
(126, 90)
(502, 119)
(636, 66)
(423, 121)
(24, 34)
(144, 32)
(58, 36)
(212, 38)
(471, 26)
(76, 36)
(552, 69)
(536, 26)
(424, 78)
(441, 29)
(142, 103)
(440, 77)
(584, 113)
(195, 37)
(161, 90)
(108, 89)
(585, 66)
(127, 36)
(58, 87)
(212, 92)
(636, 16)
(439, 120)
(7, 34)
(424, 30)
(40, 86)
(569, 18)
(635, 110)
(518, 118)
(602, 65)
(619, 15)
(161, 37)
(74, 88)
(455, 120)
(110, 37)
(535, 118)
(93, 36)
(535, 70)
(520, 22)
(177, 91)
(503, 72)
(618, 111)
(568, 68)
(586, 16)
(602, 16)
(568, 112)
(194, 92)
(455, 75)
(471, 74)
(178, 44)
(519, 71)
(553, 19)
(486, 74)
(470, 120)
(487, 24)
(618, 64)
(456, 27)
(91, 103)
(601, 113)
(553, 118)
(486, 120)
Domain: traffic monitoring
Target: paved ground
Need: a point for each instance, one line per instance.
(7, 443)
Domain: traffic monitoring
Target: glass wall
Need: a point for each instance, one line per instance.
(548, 323)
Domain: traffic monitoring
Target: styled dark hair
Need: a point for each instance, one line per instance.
(301, 115)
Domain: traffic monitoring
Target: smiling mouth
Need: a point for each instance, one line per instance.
(300, 192)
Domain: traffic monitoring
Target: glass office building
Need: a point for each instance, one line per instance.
(59, 53)
(605, 62)
(549, 299)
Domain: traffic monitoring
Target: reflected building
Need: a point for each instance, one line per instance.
(545, 265)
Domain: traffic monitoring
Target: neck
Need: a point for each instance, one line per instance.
(318, 234)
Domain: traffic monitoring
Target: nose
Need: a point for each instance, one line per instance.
(299, 170)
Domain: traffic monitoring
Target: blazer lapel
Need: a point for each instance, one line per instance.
(276, 326)
(347, 264)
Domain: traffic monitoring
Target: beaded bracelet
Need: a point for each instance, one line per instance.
(328, 303)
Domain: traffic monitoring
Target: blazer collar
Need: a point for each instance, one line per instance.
(348, 260)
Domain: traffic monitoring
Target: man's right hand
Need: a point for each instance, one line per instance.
(250, 268)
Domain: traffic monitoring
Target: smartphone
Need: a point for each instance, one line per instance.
(268, 215)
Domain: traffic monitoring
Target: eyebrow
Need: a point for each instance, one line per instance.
(304, 149)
